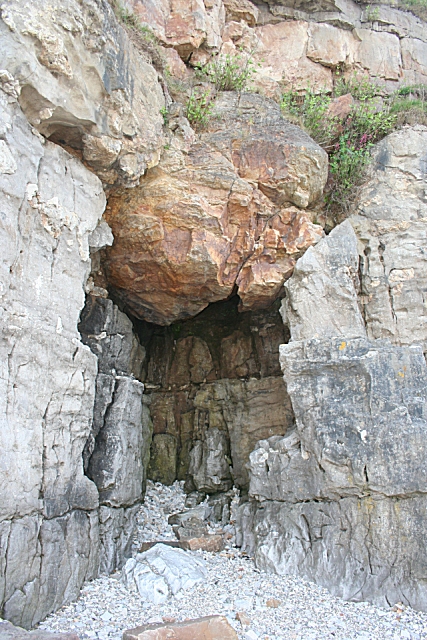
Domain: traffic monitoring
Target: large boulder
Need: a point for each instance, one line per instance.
(48, 508)
(217, 213)
(84, 85)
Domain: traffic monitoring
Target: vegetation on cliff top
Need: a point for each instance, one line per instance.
(348, 136)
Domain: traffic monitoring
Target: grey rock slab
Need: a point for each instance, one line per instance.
(116, 465)
(109, 334)
(50, 206)
(391, 225)
(162, 570)
(358, 548)
(321, 299)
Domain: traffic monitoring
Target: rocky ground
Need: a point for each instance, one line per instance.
(257, 604)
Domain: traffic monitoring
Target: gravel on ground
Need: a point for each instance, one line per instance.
(259, 605)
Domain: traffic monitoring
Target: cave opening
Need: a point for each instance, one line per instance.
(187, 402)
(214, 388)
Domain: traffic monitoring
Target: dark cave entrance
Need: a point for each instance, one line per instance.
(214, 387)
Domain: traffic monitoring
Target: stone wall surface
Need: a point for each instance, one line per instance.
(213, 393)
(342, 499)
(84, 85)
(48, 507)
(117, 449)
(332, 457)
(297, 44)
(390, 222)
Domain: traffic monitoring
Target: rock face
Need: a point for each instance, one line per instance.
(390, 222)
(117, 450)
(342, 500)
(51, 204)
(214, 389)
(217, 214)
(84, 85)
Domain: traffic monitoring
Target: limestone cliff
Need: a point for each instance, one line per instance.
(115, 363)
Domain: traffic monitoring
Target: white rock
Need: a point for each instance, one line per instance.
(181, 569)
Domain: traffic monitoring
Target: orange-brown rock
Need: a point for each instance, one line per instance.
(209, 628)
(223, 203)
(241, 10)
(183, 24)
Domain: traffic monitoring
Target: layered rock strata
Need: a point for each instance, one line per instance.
(117, 451)
(342, 500)
(296, 44)
(48, 508)
(226, 210)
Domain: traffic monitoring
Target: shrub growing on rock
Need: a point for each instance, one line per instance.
(228, 72)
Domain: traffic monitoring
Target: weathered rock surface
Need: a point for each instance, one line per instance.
(240, 413)
(48, 508)
(182, 24)
(342, 499)
(83, 84)
(215, 389)
(390, 222)
(208, 628)
(117, 450)
(163, 570)
(183, 236)
(321, 297)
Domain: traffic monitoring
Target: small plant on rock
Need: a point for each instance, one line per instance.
(199, 107)
(228, 72)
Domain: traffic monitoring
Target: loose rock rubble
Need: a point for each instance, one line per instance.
(258, 605)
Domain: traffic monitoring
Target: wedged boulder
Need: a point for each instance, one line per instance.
(48, 508)
(83, 84)
(342, 499)
(390, 222)
(213, 206)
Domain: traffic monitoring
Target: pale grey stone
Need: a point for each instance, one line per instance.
(181, 569)
(150, 586)
(116, 530)
(163, 570)
(391, 224)
(79, 88)
(209, 466)
(50, 206)
(321, 298)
